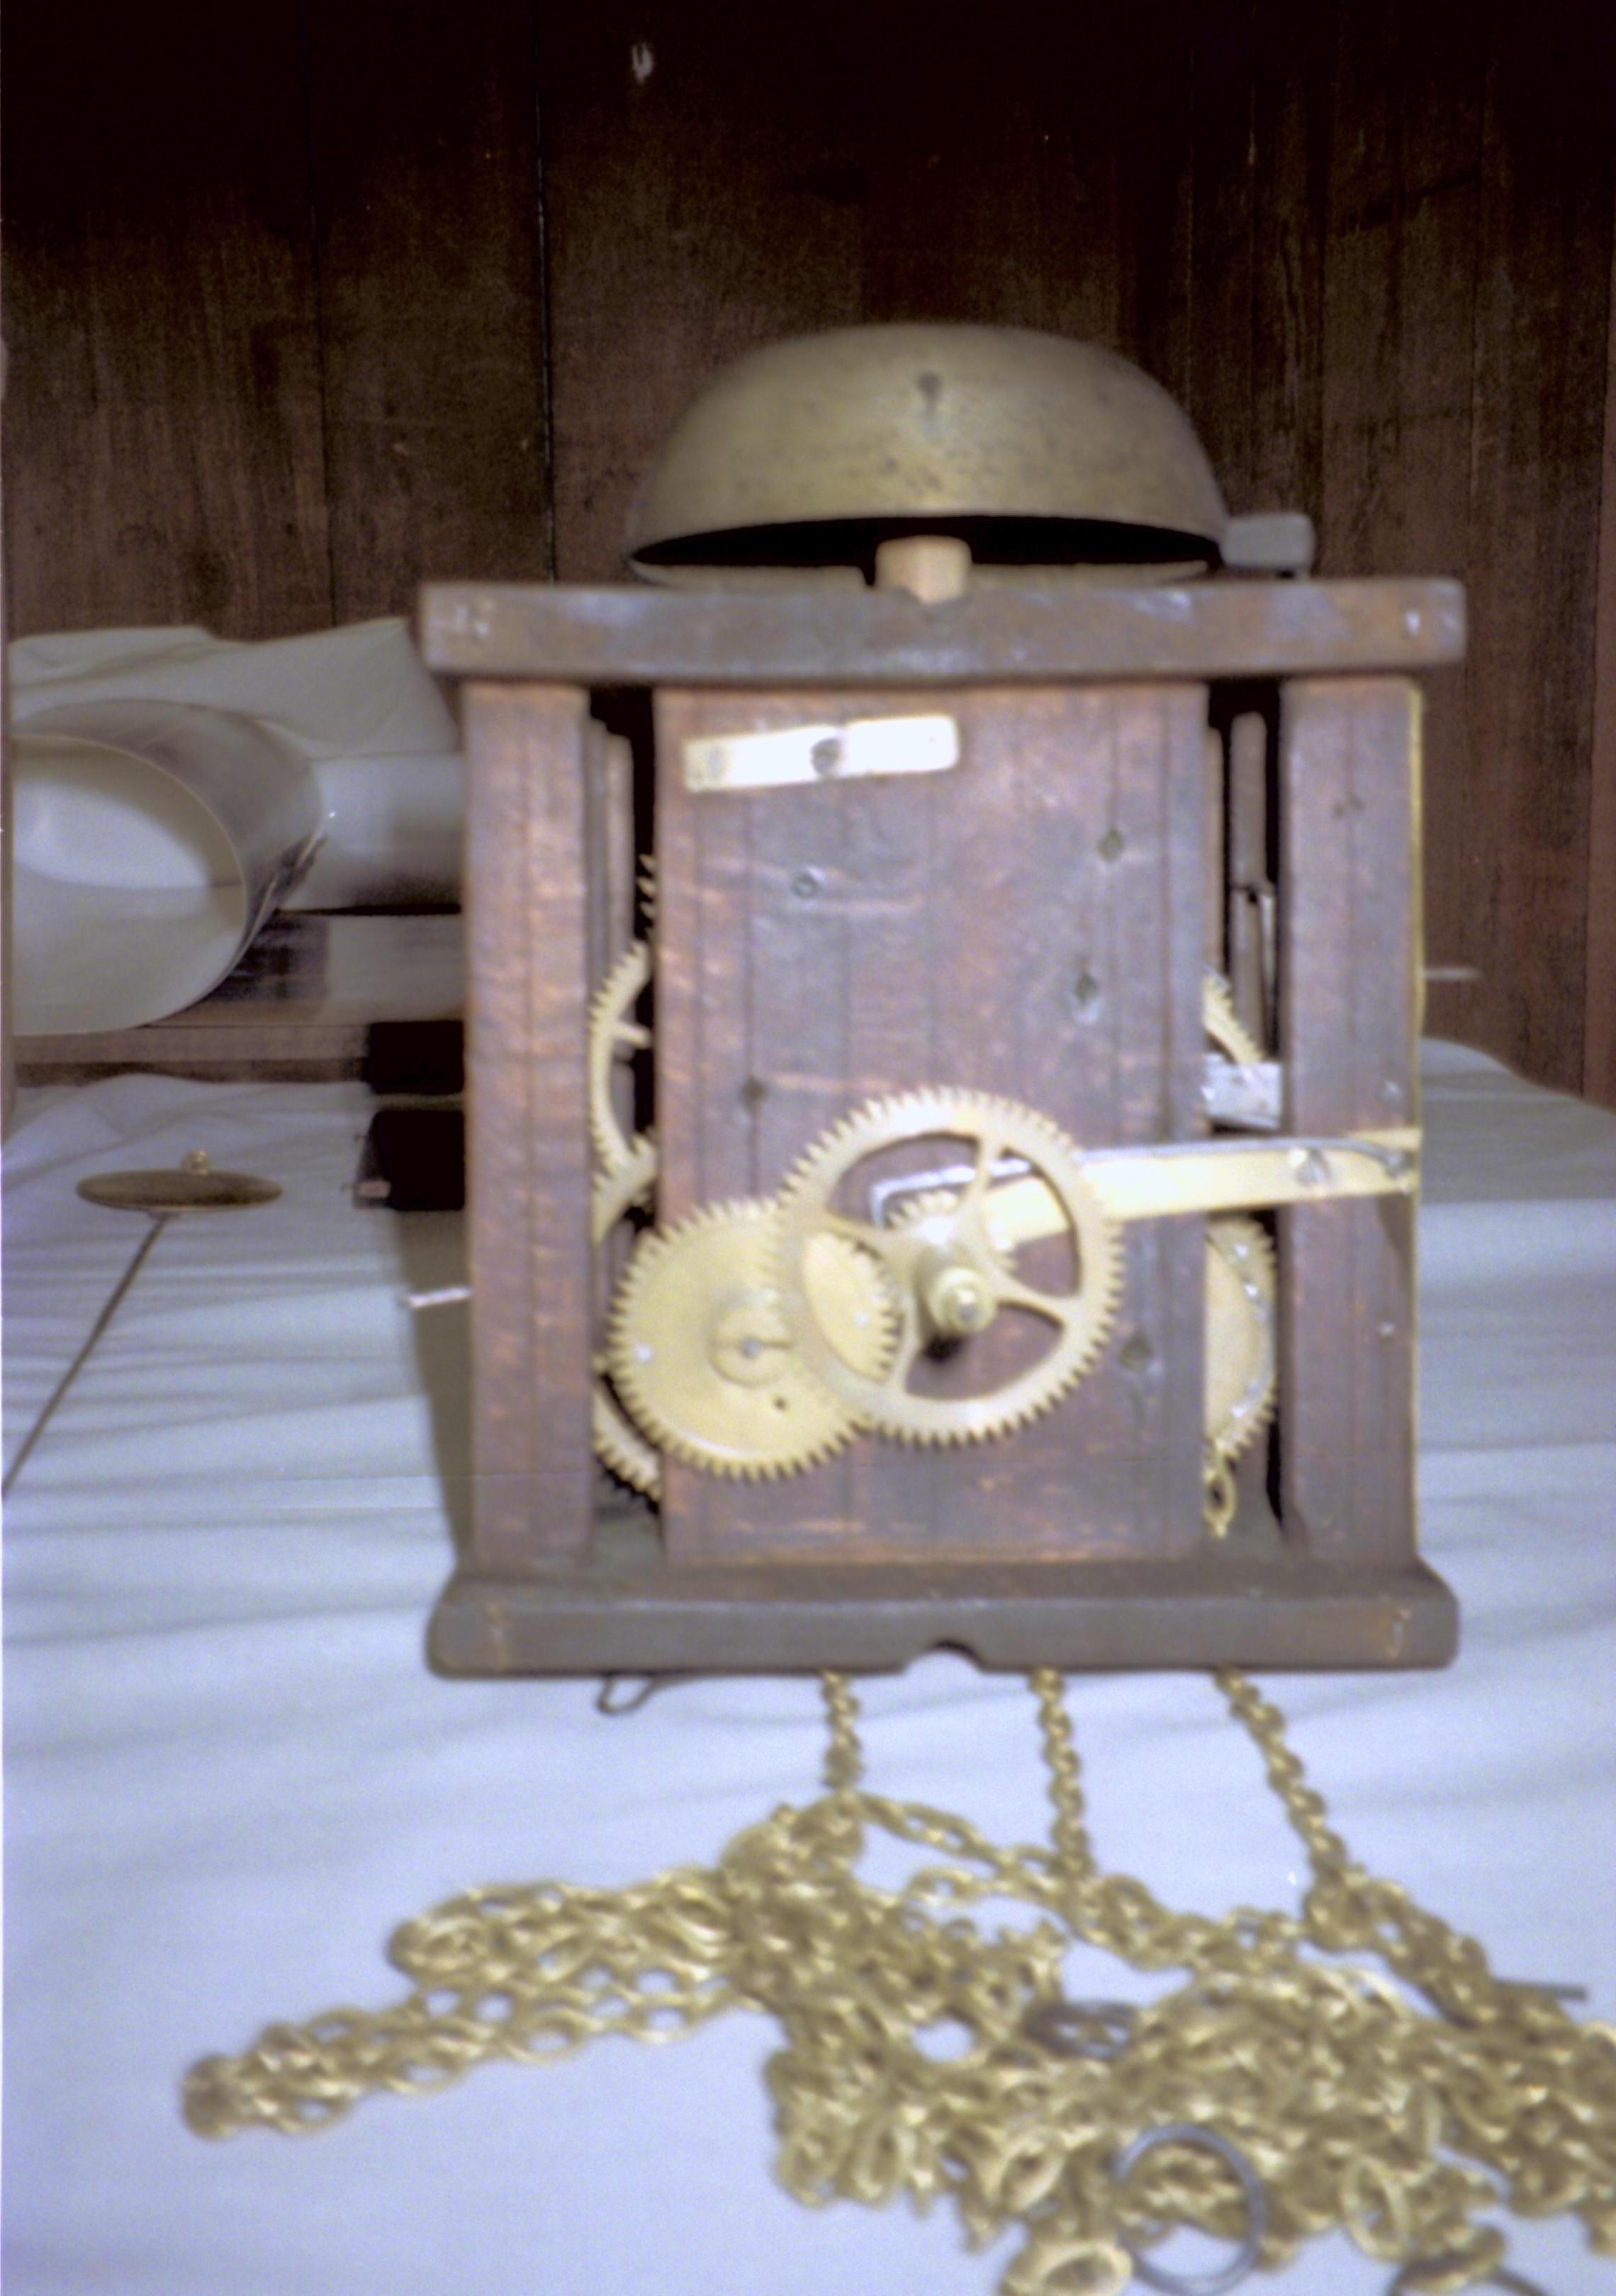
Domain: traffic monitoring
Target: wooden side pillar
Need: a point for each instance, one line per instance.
(527, 1146)
(1348, 970)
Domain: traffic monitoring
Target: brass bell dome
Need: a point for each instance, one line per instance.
(799, 459)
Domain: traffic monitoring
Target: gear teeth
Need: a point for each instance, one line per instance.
(1220, 1021)
(925, 1206)
(619, 1446)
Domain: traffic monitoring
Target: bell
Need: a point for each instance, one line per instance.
(798, 461)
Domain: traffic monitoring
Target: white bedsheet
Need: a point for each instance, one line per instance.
(230, 1773)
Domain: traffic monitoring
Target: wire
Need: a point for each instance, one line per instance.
(159, 1221)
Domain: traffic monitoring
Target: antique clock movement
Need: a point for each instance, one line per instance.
(943, 994)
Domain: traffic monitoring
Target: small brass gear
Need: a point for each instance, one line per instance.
(1221, 1023)
(912, 1211)
(618, 1441)
(950, 1273)
(614, 1034)
(1241, 1374)
(701, 1357)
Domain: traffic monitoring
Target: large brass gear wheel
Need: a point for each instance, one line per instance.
(615, 1035)
(1241, 1371)
(701, 1357)
(951, 1275)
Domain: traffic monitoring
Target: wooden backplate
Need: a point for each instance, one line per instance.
(1027, 924)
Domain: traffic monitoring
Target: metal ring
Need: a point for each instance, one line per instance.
(1081, 2029)
(1246, 2256)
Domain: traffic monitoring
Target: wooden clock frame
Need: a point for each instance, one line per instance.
(1029, 926)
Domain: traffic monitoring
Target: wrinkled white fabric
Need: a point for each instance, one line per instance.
(231, 1774)
(352, 706)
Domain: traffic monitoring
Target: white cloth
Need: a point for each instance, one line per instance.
(231, 1774)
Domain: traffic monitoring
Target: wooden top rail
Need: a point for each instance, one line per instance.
(629, 635)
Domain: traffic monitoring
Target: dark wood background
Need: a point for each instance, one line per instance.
(308, 302)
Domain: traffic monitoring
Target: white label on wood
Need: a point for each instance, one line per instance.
(822, 753)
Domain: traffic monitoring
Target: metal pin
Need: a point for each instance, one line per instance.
(161, 1196)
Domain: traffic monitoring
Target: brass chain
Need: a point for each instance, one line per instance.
(1354, 2108)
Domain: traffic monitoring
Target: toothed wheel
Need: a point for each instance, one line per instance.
(700, 1355)
(614, 1035)
(618, 1441)
(955, 1265)
(1223, 1026)
(1241, 1376)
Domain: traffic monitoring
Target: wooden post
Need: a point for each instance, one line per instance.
(528, 1137)
(1349, 805)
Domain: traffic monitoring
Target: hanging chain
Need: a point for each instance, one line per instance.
(1353, 2108)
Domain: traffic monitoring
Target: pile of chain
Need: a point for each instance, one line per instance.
(1352, 2107)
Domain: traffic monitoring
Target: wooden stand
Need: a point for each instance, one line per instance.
(1030, 925)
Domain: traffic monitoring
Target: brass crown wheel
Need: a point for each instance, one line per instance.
(952, 1272)
(701, 1354)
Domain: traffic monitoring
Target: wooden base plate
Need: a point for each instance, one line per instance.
(634, 1614)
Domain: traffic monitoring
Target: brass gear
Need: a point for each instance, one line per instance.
(613, 1034)
(948, 1272)
(702, 1358)
(1222, 1024)
(618, 1441)
(1241, 1374)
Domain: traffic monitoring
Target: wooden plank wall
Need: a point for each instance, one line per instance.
(309, 303)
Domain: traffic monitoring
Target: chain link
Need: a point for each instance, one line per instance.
(1354, 2108)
